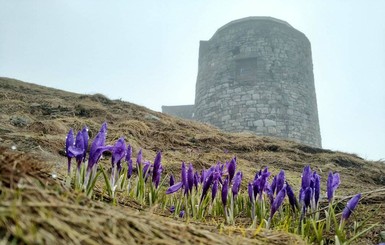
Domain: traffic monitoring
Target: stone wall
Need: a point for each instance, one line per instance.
(256, 74)
(182, 111)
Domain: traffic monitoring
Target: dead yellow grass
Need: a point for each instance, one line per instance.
(50, 113)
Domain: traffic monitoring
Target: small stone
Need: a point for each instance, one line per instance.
(151, 117)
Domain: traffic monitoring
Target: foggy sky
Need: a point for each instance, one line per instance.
(146, 52)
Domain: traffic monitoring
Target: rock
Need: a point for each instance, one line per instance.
(19, 121)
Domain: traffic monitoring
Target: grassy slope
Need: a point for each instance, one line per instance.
(36, 119)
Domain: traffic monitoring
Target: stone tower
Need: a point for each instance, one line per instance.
(256, 74)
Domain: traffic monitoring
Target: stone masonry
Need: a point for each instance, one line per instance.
(256, 75)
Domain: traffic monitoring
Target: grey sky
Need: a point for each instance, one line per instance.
(146, 52)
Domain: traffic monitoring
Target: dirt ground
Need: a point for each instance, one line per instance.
(34, 121)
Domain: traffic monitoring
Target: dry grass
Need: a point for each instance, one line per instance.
(36, 209)
(35, 119)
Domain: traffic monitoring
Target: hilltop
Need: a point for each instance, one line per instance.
(34, 121)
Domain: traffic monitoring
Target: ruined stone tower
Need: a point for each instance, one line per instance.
(256, 74)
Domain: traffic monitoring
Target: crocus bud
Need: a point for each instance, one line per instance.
(231, 168)
(157, 169)
(350, 206)
(280, 180)
(225, 190)
(237, 183)
(292, 199)
(206, 186)
(190, 177)
(277, 201)
(332, 184)
(118, 152)
(214, 190)
(317, 187)
(172, 180)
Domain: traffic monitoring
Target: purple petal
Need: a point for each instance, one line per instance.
(277, 201)
(196, 180)
(280, 180)
(231, 168)
(172, 180)
(214, 190)
(225, 190)
(157, 168)
(306, 176)
(174, 188)
(237, 183)
(206, 186)
(190, 177)
(118, 151)
(129, 170)
(350, 206)
(70, 141)
(317, 187)
(128, 153)
(75, 152)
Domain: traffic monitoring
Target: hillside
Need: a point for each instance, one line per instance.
(34, 121)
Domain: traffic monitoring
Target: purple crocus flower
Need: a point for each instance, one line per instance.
(307, 194)
(203, 176)
(196, 180)
(273, 185)
(146, 170)
(317, 188)
(97, 147)
(70, 141)
(172, 180)
(118, 153)
(172, 209)
(104, 128)
(231, 168)
(280, 180)
(206, 185)
(190, 177)
(277, 202)
(256, 187)
(214, 190)
(305, 180)
(270, 194)
(174, 188)
(181, 214)
(332, 184)
(157, 169)
(129, 161)
(184, 178)
(350, 206)
(225, 190)
(262, 179)
(292, 199)
(237, 183)
(78, 150)
(85, 141)
(158, 176)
